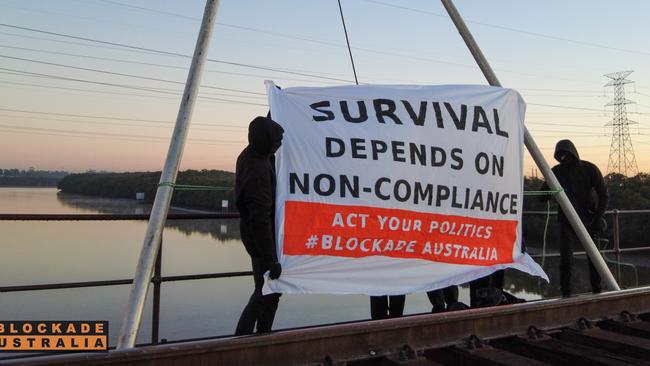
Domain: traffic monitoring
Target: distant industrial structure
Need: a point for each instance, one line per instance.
(621, 153)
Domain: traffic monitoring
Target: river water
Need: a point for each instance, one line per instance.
(40, 252)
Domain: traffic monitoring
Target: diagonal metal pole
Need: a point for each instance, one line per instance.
(151, 245)
(535, 152)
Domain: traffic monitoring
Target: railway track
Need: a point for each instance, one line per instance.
(606, 329)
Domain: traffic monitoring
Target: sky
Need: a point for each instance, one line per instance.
(91, 84)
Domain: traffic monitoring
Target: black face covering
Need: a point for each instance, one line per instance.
(264, 135)
(565, 152)
(566, 158)
(276, 145)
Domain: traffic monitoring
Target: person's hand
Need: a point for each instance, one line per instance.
(275, 271)
(589, 225)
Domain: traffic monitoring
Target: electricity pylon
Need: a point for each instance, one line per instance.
(621, 153)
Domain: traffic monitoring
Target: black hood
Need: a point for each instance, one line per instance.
(264, 135)
(567, 147)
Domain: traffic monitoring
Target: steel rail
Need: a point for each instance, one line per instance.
(366, 340)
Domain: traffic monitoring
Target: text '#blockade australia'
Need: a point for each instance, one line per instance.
(48, 335)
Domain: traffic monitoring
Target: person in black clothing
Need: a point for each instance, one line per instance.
(384, 307)
(443, 298)
(255, 199)
(585, 187)
(479, 296)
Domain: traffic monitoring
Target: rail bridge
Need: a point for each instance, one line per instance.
(607, 329)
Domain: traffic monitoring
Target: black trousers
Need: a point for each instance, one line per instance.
(383, 307)
(495, 280)
(260, 309)
(567, 238)
(442, 298)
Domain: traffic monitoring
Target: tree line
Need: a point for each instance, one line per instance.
(31, 177)
(626, 193)
(126, 185)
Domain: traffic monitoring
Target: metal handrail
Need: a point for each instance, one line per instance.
(114, 217)
(200, 216)
(68, 285)
(157, 278)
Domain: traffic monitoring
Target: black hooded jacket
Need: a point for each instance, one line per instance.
(255, 188)
(582, 182)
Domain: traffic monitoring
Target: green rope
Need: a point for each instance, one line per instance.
(543, 193)
(189, 187)
(548, 216)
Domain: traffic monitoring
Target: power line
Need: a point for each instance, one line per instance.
(123, 74)
(31, 133)
(117, 48)
(208, 70)
(124, 86)
(581, 147)
(540, 123)
(112, 124)
(224, 100)
(515, 30)
(168, 53)
(565, 95)
(153, 89)
(94, 20)
(300, 73)
(266, 32)
(81, 89)
(87, 91)
(256, 30)
(50, 76)
(106, 134)
(10, 117)
(174, 91)
(109, 117)
(130, 6)
(568, 114)
(564, 107)
(147, 63)
(561, 90)
(319, 41)
(94, 40)
(205, 86)
(549, 133)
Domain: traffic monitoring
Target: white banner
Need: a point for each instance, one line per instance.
(387, 190)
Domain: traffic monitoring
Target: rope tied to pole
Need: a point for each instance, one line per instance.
(543, 193)
(190, 187)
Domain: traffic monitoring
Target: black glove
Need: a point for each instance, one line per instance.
(601, 225)
(597, 225)
(275, 270)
